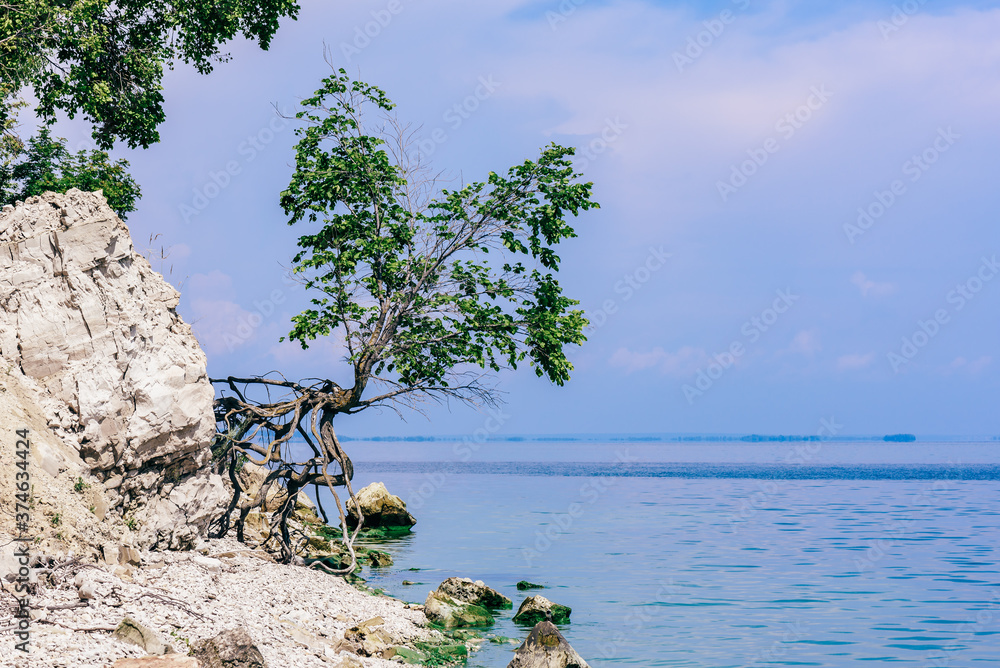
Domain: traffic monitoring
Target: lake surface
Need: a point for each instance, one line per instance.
(715, 555)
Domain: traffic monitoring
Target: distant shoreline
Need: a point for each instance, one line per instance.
(675, 438)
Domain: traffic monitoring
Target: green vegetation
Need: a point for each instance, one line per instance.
(410, 280)
(80, 485)
(105, 59)
(421, 284)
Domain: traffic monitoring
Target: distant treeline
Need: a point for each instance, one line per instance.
(661, 438)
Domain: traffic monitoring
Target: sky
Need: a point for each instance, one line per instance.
(798, 224)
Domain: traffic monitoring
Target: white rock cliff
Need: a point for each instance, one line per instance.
(123, 380)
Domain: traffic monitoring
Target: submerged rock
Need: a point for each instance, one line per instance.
(380, 508)
(524, 585)
(449, 612)
(535, 609)
(545, 647)
(233, 648)
(378, 559)
(464, 589)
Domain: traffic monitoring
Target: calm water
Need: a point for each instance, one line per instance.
(748, 558)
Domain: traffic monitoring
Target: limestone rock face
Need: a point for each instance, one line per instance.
(122, 377)
(545, 647)
(380, 508)
(69, 505)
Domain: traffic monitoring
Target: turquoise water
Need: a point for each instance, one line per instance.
(746, 559)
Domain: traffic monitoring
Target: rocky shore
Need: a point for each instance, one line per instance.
(107, 491)
(297, 617)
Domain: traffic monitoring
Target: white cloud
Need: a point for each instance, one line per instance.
(973, 368)
(806, 342)
(685, 362)
(870, 287)
(855, 361)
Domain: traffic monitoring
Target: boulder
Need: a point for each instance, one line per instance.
(545, 647)
(233, 648)
(122, 379)
(450, 613)
(535, 609)
(524, 585)
(133, 632)
(379, 559)
(367, 639)
(464, 589)
(380, 508)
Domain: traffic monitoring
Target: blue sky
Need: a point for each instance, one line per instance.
(809, 184)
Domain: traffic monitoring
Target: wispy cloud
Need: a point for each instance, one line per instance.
(960, 364)
(855, 361)
(870, 287)
(806, 342)
(683, 363)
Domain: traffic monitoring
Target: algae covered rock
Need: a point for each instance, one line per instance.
(449, 612)
(545, 647)
(524, 585)
(379, 508)
(378, 559)
(464, 589)
(535, 609)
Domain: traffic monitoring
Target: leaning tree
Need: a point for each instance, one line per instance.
(428, 289)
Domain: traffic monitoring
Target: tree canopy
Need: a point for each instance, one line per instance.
(46, 164)
(105, 59)
(422, 284)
